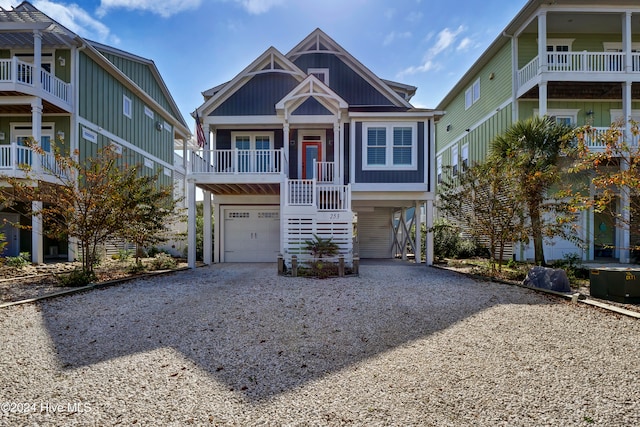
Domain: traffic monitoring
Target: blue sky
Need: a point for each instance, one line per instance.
(198, 44)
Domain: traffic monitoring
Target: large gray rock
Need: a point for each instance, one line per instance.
(554, 279)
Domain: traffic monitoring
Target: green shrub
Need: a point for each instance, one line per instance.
(163, 261)
(136, 267)
(20, 261)
(448, 243)
(122, 255)
(76, 278)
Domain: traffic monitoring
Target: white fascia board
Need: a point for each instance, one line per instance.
(389, 188)
(425, 115)
(218, 121)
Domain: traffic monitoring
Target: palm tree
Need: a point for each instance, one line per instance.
(533, 147)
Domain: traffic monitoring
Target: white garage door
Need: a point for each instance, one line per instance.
(251, 234)
(374, 233)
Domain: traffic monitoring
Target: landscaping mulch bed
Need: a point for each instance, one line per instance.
(17, 284)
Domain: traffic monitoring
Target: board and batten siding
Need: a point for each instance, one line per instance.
(141, 74)
(343, 80)
(375, 233)
(101, 103)
(495, 89)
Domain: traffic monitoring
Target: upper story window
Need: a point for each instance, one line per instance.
(148, 112)
(126, 106)
(390, 146)
(454, 160)
(321, 73)
(472, 94)
(562, 116)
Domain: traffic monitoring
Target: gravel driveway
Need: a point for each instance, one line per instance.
(235, 344)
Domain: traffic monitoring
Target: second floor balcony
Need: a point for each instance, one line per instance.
(20, 76)
(580, 66)
(16, 159)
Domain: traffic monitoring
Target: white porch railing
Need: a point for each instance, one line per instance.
(583, 62)
(237, 161)
(324, 171)
(16, 71)
(325, 197)
(14, 155)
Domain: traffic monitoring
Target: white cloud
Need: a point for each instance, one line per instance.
(77, 20)
(414, 17)
(393, 36)
(445, 39)
(464, 44)
(256, 7)
(164, 8)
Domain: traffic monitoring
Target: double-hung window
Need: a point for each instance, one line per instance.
(390, 146)
(454, 160)
(465, 157)
(472, 94)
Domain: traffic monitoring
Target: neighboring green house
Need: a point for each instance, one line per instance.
(88, 95)
(577, 61)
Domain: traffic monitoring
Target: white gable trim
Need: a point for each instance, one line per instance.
(269, 58)
(311, 87)
(318, 36)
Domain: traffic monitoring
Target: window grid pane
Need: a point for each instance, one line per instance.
(402, 140)
(376, 146)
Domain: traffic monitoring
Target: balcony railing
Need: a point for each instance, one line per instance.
(237, 161)
(20, 72)
(324, 172)
(13, 156)
(307, 192)
(595, 141)
(579, 62)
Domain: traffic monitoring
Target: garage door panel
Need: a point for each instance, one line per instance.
(251, 234)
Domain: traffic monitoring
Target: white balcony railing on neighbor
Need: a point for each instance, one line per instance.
(326, 197)
(583, 62)
(14, 155)
(237, 161)
(595, 142)
(16, 71)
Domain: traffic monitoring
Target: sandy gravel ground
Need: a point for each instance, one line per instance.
(238, 345)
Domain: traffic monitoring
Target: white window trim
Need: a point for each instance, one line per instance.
(617, 46)
(323, 71)
(561, 42)
(572, 113)
(454, 160)
(389, 145)
(464, 157)
(472, 94)
(148, 112)
(439, 169)
(616, 115)
(26, 130)
(252, 138)
(127, 106)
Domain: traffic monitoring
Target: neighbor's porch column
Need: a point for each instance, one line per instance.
(37, 59)
(542, 99)
(191, 224)
(37, 252)
(625, 202)
(336, 154)
(207, 240)
(542, 42)
(429, 240)
(418, 240)
(626, 41)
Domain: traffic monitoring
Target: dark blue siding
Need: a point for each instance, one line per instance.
(390, 176)
(293, 154)
(258, 96)
(343, 80)
(311, 107)
(329, 148)
(347, 163)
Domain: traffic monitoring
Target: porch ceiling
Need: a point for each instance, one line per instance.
(241, 189)
(583, 90)
(6, 109)
(587, 22)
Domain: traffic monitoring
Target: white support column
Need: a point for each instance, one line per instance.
(542, 99)
(429, 225)
(626, 41)
(191, 225)
(37, 250)
(418, 240)
(217, 231)
(337, 161)
(72, 249)
(37, 59)
(36, 130)
(625, 202)
(403, 241)
(285, 150)
(542, 41)
(207, 240)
